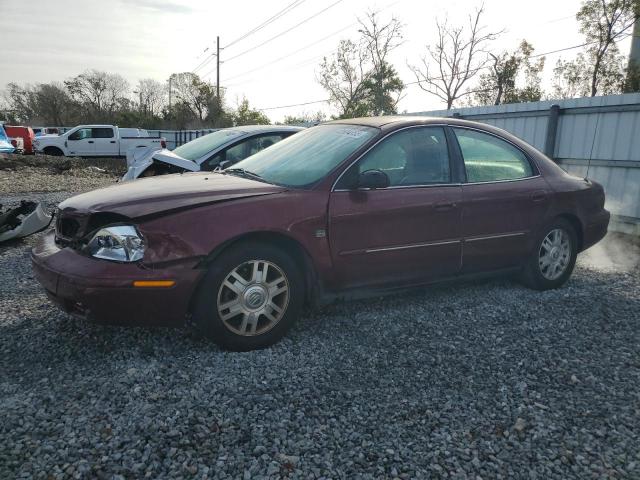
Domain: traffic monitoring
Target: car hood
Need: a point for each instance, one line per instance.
(171, 158)
(167, 193)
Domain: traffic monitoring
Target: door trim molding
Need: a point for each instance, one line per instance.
(491, 237)
(400, 247)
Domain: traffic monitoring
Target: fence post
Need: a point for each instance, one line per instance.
(552, 130)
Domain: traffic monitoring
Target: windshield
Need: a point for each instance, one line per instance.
(203, 145)
(308, 156)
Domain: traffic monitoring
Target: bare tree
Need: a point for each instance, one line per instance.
(152, 95)
(459, 54)
(195, 93)
(100, 93)
(604, 23)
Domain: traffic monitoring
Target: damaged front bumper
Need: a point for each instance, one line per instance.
(104, 291)
(19, 222)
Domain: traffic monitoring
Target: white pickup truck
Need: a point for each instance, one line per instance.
(95, 141)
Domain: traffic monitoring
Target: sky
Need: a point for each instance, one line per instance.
(55, 40)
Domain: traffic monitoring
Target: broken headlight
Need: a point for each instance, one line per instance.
(120, 243)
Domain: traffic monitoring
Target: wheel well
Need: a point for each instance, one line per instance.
(53, 149)
(284, 242)
(577, 226)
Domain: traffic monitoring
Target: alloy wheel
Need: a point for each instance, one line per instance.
(555, 254)
(253, 298)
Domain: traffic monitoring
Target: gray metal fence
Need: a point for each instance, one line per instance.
(175, 138)
(598, 137)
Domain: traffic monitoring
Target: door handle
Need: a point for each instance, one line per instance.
(90, 141)
(444, 206)
(539, 196)
(112, 141)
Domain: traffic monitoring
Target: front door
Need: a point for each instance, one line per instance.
(81, 142)
(504, 202)
(409, 232)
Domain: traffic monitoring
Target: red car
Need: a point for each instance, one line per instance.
(350, 206)
(25, 133)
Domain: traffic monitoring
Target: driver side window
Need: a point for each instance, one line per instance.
(410, 157)
(80, 134)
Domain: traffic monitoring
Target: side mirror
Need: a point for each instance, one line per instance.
(373, 179)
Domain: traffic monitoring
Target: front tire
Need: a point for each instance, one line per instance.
(553, 258)
(249, 298)
(53, 151)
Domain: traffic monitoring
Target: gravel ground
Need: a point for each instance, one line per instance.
(471, 381)
(43, 173)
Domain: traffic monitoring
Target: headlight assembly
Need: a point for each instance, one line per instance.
(120, 243)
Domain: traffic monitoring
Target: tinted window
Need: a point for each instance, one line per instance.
(308, 156)
(489, 159)
(80, 134)
(102, 132)
(201, 146)
(415, 156)
(242, 150)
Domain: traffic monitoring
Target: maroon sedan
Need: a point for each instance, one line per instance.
(361, 205)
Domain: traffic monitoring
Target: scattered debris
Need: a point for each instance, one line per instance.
(24, 220)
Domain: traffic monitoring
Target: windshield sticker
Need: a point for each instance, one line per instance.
(352, 132)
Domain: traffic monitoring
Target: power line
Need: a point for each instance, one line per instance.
(272, 19)
(204, 62)
(284, 57)
(284, 32)
(294, 105)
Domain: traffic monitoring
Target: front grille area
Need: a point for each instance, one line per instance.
(67, 227)
(70, 227)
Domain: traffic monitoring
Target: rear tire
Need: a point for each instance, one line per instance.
(553, 258)
(249, 298)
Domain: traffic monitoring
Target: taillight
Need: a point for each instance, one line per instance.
(163, 143)
(14, 143)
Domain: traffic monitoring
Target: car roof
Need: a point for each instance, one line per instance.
(267, 128)
(383, 120)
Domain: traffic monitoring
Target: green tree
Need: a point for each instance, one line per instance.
(305, 118)
(604, 23)
(513, 78)
(245, 115)
(358, 77)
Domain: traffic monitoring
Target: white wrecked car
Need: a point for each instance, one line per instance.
(221, 148)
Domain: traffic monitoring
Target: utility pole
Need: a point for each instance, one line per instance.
(218, 68)
(633, 67)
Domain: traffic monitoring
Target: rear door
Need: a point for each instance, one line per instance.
(81, 142)
(105, 141)
(407, 233)
(505, 201)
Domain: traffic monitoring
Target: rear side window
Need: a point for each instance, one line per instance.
(490, 159)
(102, 132)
